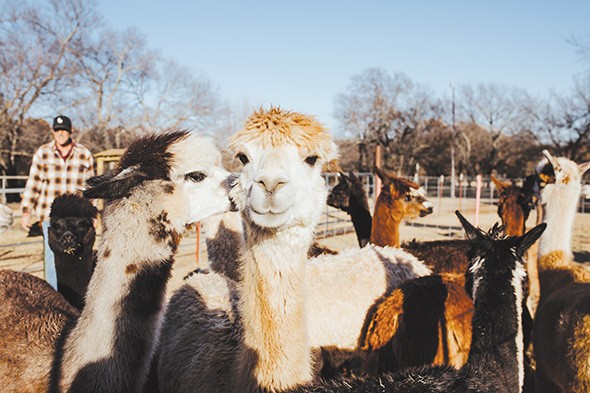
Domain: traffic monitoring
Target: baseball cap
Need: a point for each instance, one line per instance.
(62, 123)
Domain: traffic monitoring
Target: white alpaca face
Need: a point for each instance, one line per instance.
(206, 192)
(279, 187)
(197, 172)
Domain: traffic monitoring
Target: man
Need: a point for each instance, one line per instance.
(58, 167)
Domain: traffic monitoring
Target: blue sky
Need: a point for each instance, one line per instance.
(301, 54)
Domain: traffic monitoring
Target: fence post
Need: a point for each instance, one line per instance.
(377, 182)
(441, 182)
(198, 250)
(477, 200)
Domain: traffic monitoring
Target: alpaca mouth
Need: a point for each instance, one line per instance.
(268, 212)
(70, 250)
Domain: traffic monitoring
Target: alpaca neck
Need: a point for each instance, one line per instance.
(73, 274)
(513, 221)
(116, 331)
(385, 229)
(559, 211)
(361, 220)
(497, 330)
(275, 351)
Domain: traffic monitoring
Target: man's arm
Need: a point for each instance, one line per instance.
(32, 190)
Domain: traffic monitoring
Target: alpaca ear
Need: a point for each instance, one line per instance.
(550, 158)
(343, 178)
(499, 185)
(529, 238)
(380, 173)
(583, 167)
(471, 231)
(109, 186)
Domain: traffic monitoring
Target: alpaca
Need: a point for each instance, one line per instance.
(495, 280)
(427, 320)
(224, 238)
(399, 199)
(163, 183)
(71, 237)
(349, 196)
(561, 334)
(6, 218)
(258, 333)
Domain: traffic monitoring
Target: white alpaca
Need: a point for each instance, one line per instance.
(561, 335)
(6, 218)
(254, 334)
(164, 182)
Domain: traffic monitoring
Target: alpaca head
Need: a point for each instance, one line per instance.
(6, 218)
(408, 197)
(280, 183)
(71, 224)
(514, 204)
(180, 166)
(496, 258)
(560, 175)
(349, 186)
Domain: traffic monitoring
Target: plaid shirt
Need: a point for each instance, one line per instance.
(50, 176)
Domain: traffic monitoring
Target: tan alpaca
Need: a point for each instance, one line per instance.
(261, 333)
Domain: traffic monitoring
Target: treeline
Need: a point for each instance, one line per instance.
(59, 56)
(487, 128)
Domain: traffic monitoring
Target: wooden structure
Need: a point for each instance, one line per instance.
(107, 159)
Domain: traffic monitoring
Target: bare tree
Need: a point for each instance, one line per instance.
(494, 108)
(172, 97)
(35, 48)
(563, 122)
(385, 110)
(107, 66)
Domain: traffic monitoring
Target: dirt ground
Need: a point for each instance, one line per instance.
(19, 252)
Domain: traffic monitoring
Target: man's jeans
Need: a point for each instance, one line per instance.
(48, 258)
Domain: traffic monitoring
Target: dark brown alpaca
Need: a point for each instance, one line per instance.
(71, 237)
(427, 320)
(349, 196)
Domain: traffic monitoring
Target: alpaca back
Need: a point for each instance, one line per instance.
(442, 256)
(200, 321)
(342, 288)
(32, 320)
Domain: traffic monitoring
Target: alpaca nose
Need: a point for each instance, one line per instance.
(271, 183)
(68, 237)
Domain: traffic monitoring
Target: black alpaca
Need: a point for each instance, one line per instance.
(71, 237)
(495, 279)
(349, 196)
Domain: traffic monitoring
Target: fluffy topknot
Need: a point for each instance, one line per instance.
(72, 205)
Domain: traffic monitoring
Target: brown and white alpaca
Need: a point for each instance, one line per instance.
(261, 333)
(495, 280)
(163, 183)
(399, 199)
(561, 335)
(427, 320)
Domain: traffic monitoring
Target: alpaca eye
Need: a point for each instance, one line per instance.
(195, 176)
(311, 160)
(408, 197)
(243, 158)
